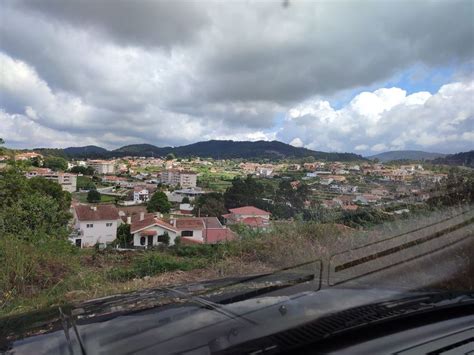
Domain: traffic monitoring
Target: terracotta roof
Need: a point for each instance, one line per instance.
(148, 221)
(101, 213)
(212, 222)
(148, 232)
(41, 170)
(218, 235)
(254, 221)
(249, 210)
(186, 240)
(140, 188)
(189, 223)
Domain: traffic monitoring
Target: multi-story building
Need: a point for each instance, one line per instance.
(102, 166)
(186, 179)
(94, 225)
(141, 194)
(67, 181)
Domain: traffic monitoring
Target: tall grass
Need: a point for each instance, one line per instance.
(29, 268)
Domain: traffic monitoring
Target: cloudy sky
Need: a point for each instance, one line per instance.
(360, 76)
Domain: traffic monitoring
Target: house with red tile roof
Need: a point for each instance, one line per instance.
(250, 216)
(94, 225)
(148, 230)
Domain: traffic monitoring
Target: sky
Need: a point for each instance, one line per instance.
(349, 76)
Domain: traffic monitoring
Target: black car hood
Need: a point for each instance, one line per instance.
(199, 318)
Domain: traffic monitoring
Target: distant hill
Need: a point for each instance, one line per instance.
(217, 149)
(458, 159)
(89, 151)
(146, 150)
(220, 149)
(405, 155)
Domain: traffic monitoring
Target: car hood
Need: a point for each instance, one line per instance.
(206, 316)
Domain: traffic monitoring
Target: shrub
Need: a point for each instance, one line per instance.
(93, 196)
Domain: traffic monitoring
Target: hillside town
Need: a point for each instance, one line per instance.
(109, 193)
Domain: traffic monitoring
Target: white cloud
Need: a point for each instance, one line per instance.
(361, 147)
(296, 142)
(378, 147)
(387, 119)
(81, 70)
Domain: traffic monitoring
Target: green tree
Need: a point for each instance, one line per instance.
(170, 156)
(124, 237)
(244, 192)
(37, 162)
(2, 142)
(31, 210)
(55, 163)
(51, 189)
(84, 170)
(295, 198)
(159, 203)
(85, 183)
(185, 199)
(211, 204)
(93, 196)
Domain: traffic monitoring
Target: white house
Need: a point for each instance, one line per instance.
(140, 194)
(94, 224)
(149, 230)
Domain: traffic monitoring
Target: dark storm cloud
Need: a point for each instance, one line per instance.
(334, 46)
(145, 22)
(169, 72)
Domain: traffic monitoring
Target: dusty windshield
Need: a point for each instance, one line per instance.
(154, 144)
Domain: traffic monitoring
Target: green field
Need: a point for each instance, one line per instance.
(82, 197)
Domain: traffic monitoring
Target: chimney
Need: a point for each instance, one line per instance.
(129, 220)
(173, 222)
(142, 216)
(94, 208)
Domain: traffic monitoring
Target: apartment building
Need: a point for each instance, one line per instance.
(102, 166)
(186, 179)
(67, 181)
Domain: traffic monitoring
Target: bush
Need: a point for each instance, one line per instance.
(93, 196)
(164, 238)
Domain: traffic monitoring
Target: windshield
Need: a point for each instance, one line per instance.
(221, 153)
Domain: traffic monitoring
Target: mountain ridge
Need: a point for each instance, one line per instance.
(217, 149)
(457, 159)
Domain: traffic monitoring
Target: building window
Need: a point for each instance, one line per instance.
(108, 224)
(187, 234)
(142, 240)
(89, 225)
